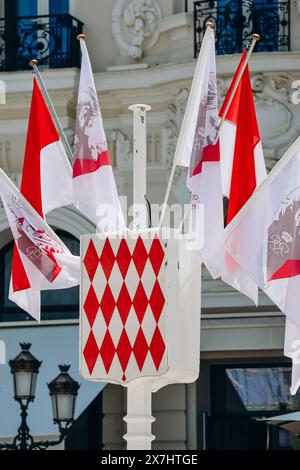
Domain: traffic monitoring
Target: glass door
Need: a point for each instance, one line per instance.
(58, 7)
(60, 28)
(25, 7)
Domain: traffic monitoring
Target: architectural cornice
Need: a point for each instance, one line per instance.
(160, 75)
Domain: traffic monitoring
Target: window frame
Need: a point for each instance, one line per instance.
(16, 314)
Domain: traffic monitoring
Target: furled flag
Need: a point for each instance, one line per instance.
(242, 164)
(46, 184)
(46, 260)
(264, 239)
(95, 191)
(198, 149)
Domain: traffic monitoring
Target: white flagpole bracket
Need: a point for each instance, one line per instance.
(139, 417)
(34, 64)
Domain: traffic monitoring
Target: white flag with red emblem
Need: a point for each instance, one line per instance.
(198, 149)
(242, 163)
(95, 191)
(264, 239)
(46, 184)
(47, 261)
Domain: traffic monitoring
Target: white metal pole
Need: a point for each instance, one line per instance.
(139, 164)
(139, 417)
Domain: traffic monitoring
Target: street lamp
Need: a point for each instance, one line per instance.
(24, 368)
(63, 391)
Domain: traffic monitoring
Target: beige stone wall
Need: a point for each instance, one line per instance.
(97, 17)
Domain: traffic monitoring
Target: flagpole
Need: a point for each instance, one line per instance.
(255, 39)
(34, 64)
(139, 417)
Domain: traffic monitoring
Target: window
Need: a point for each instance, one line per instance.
(58, 6)
(56, 304)
(21, 8)
(42, 30)
(237, 20)
(33, 7)
(262, 389)
(242, 393)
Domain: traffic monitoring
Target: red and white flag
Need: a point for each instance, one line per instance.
(46, 184)
(46, 260)
(198, 149)
(242, 164)
(264, 239)
(95, 191)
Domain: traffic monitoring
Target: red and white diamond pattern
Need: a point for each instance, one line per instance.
(123, 322)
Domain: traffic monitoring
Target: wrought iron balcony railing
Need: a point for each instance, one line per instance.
(237, 20)
(51, 39)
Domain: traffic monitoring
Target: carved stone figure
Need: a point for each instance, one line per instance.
(135, 26)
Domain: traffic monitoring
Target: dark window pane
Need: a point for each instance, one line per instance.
(26, 7)
(262, 388)
(58, 6)
(56, 304)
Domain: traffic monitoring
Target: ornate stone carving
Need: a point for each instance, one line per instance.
(222, 87)
(174, 117)
(16, 178)
(277, 116)
(134, 26)
(258, 83)
(123, 155)
(5, 156)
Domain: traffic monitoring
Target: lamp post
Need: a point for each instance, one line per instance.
(63, 391)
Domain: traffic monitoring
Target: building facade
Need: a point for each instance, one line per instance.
(143, 51)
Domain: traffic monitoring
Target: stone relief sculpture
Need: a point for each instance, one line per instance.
(134, 26)
(174, 117)
(171, 129)
(140, 19)
(123, 153)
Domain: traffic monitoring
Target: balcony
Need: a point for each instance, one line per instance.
(237, 20)
(51, 39)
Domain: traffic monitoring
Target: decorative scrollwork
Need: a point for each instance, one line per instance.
(36, 40)
(237, 20)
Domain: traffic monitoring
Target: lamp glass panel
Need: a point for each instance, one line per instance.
(25, 383)
(54, 407)
(64, 405)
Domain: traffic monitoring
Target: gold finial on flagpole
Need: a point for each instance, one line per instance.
(81, 37)
(210, 25)
(256, 37)
(33, 63)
